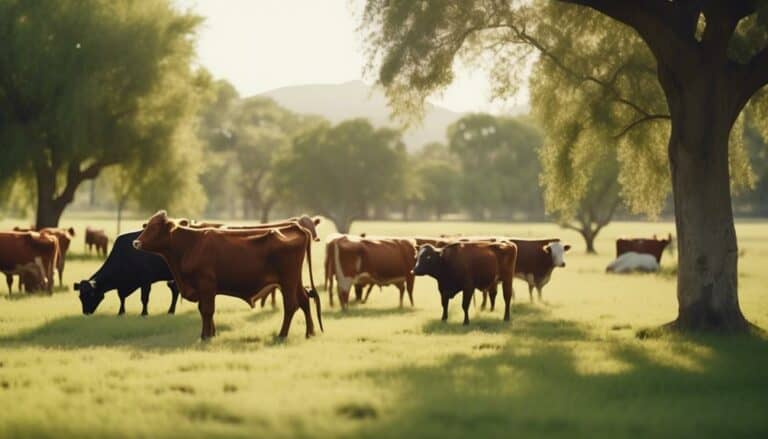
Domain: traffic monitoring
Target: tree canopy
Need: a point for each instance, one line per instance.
(341, 171)
(70, 108)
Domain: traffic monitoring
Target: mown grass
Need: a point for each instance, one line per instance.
(569, 367)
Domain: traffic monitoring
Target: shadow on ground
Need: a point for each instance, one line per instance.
(71, 332)
(362, 311)
(545, 380)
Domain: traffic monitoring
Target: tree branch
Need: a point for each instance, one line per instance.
(640, 121)
(663, 25)
(754, 75)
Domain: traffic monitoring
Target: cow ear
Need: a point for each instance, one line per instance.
(71, 231)
(144, 226)
(76, 287)
(316, 220)
(567, 247)
(546, 248)
(184, 222)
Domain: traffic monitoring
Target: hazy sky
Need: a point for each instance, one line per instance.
(260, 45)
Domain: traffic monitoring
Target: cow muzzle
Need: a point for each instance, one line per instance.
(137, 244)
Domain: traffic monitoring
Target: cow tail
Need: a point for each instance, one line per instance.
(54, 262)
(313, 291)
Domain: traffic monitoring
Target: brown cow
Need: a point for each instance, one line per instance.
(64, 236)
(536, 259)
(18, 249)
(373, 261)
(96, 238)
(652, 246)
(330, 270)
(466, 266)
(247, 264)
(306, 221)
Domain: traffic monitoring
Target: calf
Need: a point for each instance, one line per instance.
(652, 246)
(373, 261)
(98, 239)
(126, 270)
(247, 264)
(18, 249)
(466, 266)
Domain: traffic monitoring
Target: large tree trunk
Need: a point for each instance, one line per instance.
(703, 114)
(49, 207)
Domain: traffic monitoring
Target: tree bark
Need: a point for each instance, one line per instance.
(703, 113)
(49, 207)
(589, 240)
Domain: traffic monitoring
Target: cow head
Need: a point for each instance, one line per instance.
(428, 261)
(156, 235)
(90, 297)
(557, 251)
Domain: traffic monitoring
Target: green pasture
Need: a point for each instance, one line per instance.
(569, 367)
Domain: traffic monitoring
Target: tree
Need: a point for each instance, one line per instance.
(439, 179)
(89, 84)
(595, 206)
(710, 61)
(498, 157)
(341, 171)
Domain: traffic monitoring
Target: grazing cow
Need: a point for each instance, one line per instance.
(330, 270)
(632, 261)
(247, 264)
(652, 246)
(96, 238)
(18, 249)
(466, 266)
(126, 270)
(373, 261)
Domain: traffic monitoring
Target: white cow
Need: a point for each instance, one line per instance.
(632, 261)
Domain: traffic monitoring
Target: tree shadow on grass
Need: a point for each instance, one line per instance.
(152, 332)
(555, 378)
(360, 311)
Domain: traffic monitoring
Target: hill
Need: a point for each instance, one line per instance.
(337, 102)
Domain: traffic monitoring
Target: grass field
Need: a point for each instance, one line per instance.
(569, 367)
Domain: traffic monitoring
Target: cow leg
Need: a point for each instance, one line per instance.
(274, 293)
(409, 287)
(61, 274)
(485, 300)
(307, 310)
(492, 292)
(264, 300)
(122, 295)
(358, 293)
(368, 293)
(9, 281)
(290, 304)
(508, 291)
(538, 290)
(330, 290)
(343, 297)
(145, 298)
(530, 291)
(444, 299)
(206, 306)
(465, 301)
(174, 296)
(401, 288)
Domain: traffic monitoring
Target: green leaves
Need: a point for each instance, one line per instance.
(342, 170)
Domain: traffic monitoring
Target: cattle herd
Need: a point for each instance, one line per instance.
(201, 259)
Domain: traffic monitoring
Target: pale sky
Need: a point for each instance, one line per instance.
(260, 45)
